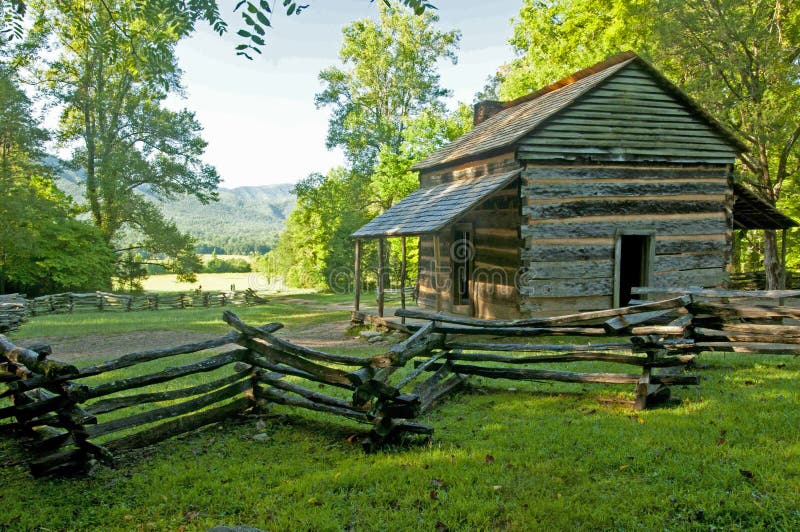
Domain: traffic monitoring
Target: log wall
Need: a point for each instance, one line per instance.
(573, 216)
(496, 252)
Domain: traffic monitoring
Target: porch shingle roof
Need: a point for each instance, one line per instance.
(428, 210)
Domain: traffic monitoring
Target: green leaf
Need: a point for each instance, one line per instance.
(242, 47)
(258, 29)
(243, 33)
(258, 40)
(251, 8)
(265, 6)
(286, 2)
(245, 54)
(262, 18)
(291, 9)
(238, 5)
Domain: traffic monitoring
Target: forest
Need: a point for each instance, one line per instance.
(110, 66)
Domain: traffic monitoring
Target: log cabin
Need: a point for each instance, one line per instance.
(564, 199)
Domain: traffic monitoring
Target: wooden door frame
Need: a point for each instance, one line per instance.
(650, 257)
(469, 308)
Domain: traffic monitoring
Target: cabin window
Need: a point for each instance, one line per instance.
(633, 264)
(462, 253)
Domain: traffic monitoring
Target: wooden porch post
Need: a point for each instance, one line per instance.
(784, 273)
(357, 276)
(381, 267)
(403, 276)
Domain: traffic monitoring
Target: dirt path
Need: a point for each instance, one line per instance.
(326, 336)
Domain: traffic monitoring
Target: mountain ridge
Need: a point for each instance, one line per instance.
(246, 219)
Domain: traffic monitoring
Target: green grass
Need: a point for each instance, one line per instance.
(505, 456)
(209, 320)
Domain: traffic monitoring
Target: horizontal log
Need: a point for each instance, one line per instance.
(704, 334)
(665, 263)
(179, 426)
(155, 354)
(35, 362)
(570, 269)
(538, 348)
(678, 246)
(425, 388)
(234, 321)
(599, 356)
(617, 324)
(323, 373)
(597, 207)
(104, 406)
(558, 252)
(698, 277)
(168, 374)
(519, 331)
(261, 362)
(159, 414)
(723, 310)
(541, 374)
(590, 228)
(301, 402)
(791, 331)
(567, 287)
(545, 307)
(534, 172)
(721, 293)
(750, 347)
(274, 379)
(583, 189)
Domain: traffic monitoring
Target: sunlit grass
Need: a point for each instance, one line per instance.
(290, 313)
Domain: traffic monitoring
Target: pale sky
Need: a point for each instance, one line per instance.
(259, 116)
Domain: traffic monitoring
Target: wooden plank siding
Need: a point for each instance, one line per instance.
(572, 216)
(496, 261)
(629, 117)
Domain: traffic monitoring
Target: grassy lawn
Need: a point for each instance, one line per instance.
(505, 456)
(290, 313)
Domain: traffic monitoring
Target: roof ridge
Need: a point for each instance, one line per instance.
(572, 78)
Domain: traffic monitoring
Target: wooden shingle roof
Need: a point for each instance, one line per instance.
(427, 210)
(522, 116)
(751, 212)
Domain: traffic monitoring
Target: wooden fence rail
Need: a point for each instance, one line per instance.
(74, 417)
(108, 302)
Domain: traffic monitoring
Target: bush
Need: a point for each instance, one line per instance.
(217, 265)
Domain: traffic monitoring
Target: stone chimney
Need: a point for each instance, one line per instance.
(485, 109)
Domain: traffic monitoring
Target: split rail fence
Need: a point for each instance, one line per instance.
(105, 301)
(72, 417)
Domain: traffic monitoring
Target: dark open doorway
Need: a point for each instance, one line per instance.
(462, 253)
(633, 266)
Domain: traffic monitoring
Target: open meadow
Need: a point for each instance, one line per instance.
(213, 282)
(519, 456)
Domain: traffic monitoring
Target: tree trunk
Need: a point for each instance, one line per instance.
(772, 261)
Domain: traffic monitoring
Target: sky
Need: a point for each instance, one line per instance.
(259, 117)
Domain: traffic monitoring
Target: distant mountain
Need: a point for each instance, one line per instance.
(245, 219)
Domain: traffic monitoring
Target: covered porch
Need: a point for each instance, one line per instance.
(440, 217)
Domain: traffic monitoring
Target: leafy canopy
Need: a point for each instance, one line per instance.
(43, 247)
(128, 144)
(387, 114)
